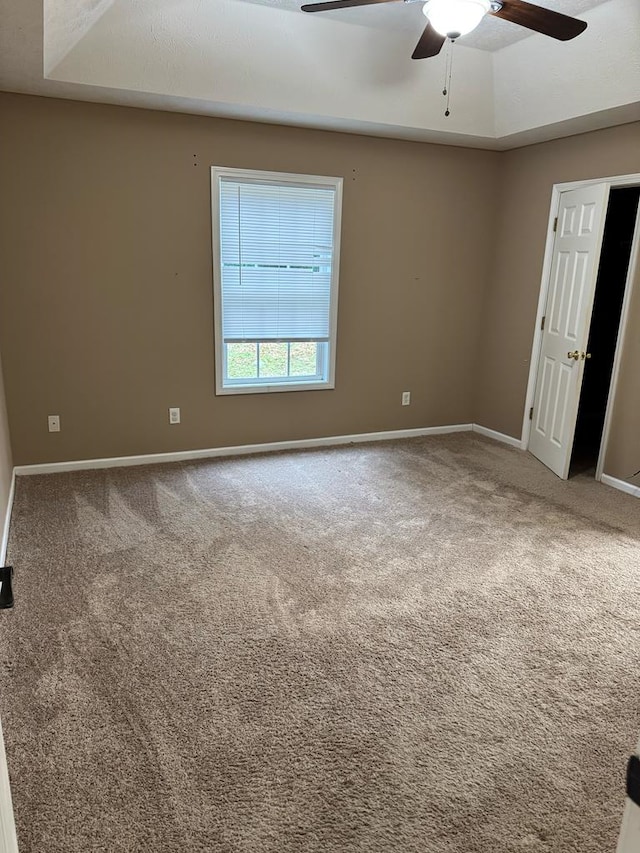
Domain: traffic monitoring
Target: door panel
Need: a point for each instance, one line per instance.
(574, 269)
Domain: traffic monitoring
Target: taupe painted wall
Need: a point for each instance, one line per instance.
(527, 176)
(106, 312)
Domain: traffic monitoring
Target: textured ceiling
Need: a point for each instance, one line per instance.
(265, 60)
(406, 17)
(66, 22)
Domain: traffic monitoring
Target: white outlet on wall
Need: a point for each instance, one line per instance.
(174, 415)
(54, 423)
(406, 398)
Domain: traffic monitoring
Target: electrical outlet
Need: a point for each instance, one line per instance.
(54, 423)
(406, 398)
(174, 415)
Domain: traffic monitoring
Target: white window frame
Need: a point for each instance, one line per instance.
(278, 178)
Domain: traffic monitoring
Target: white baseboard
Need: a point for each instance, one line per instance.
(622, 485)
(268, 447)
(238, 450)
(498, 436)
(7, 520)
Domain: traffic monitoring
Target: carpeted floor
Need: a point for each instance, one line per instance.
(429, 646)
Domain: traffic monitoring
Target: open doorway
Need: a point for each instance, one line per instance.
(620, 224)
(565, 335)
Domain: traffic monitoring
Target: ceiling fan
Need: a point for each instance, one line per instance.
(450, 19)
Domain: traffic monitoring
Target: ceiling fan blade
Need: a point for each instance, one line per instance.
(544, 21)
(430, 43)
(339, 4)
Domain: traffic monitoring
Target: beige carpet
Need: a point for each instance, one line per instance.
(428, 646)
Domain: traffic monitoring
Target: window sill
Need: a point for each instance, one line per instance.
(270, 389)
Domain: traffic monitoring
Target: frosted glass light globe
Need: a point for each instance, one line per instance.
(455, 18)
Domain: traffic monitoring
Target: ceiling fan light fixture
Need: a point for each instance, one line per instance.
(455, 18)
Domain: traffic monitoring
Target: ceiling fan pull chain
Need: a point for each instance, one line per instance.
(446, 68)
(447, 86)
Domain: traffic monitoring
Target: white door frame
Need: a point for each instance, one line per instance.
(613, 183)
(630, 829)
(8, 840)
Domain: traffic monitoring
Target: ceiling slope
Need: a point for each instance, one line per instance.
(66, 22)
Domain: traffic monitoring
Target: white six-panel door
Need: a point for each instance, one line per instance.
(574, 270)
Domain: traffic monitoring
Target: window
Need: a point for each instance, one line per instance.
(275, 252)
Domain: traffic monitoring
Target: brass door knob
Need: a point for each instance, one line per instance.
(585, 355)
(575, 355)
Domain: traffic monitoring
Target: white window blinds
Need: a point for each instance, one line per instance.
(276, 258)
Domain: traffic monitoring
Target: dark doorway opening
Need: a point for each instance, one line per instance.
(617, 243)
